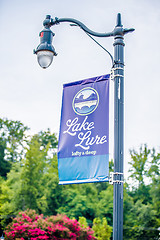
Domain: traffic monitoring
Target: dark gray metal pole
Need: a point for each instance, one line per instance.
(118, 133)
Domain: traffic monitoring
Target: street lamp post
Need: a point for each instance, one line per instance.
(118, 134)
(45, 53)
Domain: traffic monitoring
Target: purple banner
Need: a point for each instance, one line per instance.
(83, 149)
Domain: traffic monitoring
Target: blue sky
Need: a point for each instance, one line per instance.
(33, 95)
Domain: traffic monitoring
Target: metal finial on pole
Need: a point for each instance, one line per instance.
(119, 20)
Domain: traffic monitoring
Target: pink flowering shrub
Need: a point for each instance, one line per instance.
(29, 225)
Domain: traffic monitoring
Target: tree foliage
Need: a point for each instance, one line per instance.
(102, 231)
(29, 179)
(143, 217)
(144, 165)
(12, 144)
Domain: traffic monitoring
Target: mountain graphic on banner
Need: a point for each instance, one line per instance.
(82, 98)
(83, 104)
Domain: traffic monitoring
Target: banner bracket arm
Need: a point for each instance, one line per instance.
(112, 180)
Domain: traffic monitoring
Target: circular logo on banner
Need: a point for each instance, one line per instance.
(85, 101)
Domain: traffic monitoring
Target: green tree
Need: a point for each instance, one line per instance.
(128, 204)
(12, 142)
(154, 166)
(143, 198)
(79, 200)
(102, 231)
(32, 176)
(53, 192)
(144, 169)
(144, 164)
(10, 198)
(45, 137)
(38, 163)
(25, 186)
(83, 222)
(138, 164)
(142, 222)
(155, 193)
(105, 204)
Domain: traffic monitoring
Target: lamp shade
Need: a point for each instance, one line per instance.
(45, 51)
(45, 58)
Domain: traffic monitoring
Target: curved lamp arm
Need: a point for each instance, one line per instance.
(117, 31)
(45, 50)
(81, 25)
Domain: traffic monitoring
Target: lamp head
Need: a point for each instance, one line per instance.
(2, 238)
(45, 51)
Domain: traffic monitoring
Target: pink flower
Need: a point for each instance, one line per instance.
(29, 225)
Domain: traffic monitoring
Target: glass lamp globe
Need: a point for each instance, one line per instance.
(45, 58)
